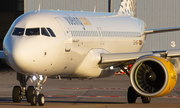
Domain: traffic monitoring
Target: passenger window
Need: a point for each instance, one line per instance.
(18, 31)
(44, 32)
(51, 32)
(32, 31)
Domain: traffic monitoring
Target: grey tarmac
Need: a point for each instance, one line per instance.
(111, 92)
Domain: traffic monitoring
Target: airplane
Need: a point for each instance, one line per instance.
(74, 44)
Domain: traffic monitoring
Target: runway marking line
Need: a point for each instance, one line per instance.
(97, 88)
(94, 96)
(171, 96)
(103, 96)
(105, 88)
(79, 96)
(176, 88)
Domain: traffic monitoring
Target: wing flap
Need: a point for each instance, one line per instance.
(160, 30)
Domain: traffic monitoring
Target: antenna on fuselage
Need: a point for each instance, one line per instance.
(39, 8)
(95, 8)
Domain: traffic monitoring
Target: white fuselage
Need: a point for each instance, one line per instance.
(80, 38)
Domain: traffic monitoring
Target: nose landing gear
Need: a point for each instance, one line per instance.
(37, 97)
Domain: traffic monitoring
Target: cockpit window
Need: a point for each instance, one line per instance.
(44, 32)
(51, 32)
(32, 31)
(18, 31)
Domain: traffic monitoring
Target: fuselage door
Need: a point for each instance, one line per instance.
(66, 33)
(99, 30)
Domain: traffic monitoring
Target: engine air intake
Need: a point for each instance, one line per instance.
(149, 76)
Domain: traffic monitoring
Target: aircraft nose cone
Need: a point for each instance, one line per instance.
(16, 54)
(18, 57)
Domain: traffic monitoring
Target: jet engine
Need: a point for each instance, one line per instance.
(153, 76)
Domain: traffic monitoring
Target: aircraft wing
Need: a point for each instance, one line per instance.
(151, 31)
(129, 58)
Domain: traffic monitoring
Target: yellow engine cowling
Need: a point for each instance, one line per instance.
(153, 76)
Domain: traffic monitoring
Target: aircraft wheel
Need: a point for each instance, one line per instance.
(16, 95)
(41, 100)
(29, 93)
(145, 99)
(33, 100)
(131, 95)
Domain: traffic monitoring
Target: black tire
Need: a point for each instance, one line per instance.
(33, 100)
(29, 92)
(16, 94)
(145, 99)
(41, 100)
(131, 95)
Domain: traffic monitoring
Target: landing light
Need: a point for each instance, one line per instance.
(34, 78)
(111, 67)
(40, 77)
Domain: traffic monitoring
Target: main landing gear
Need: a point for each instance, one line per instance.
(132, 95)
(32, 93)
(19, 92)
